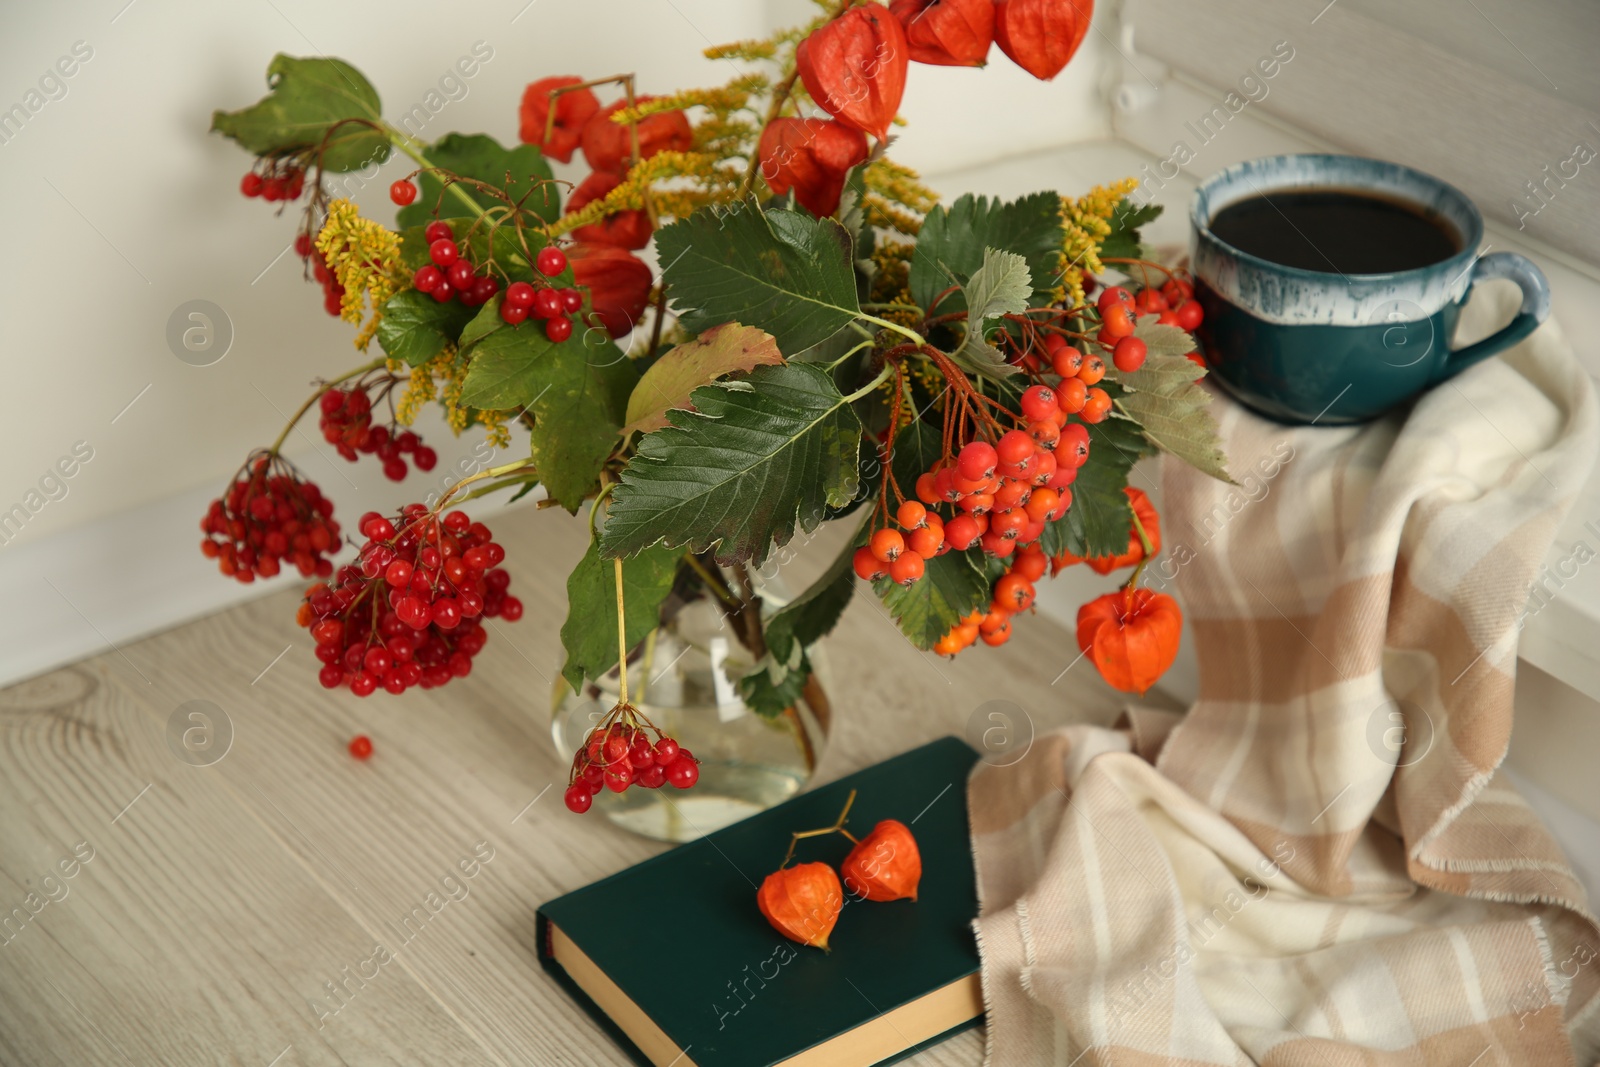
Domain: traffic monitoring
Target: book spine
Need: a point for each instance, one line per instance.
(557, 972)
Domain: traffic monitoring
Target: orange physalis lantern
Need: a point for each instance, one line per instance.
(1041, 35)
(608, 145)
(884, 865)
(855, 68)
(1131, 635)
(947, 33)
(618, 283)
(629, 228)
(802, 902)
(813, 157)
(573, 111)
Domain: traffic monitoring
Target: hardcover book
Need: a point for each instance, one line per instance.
(731, 990)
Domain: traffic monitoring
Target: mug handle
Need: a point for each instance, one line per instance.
(1534, 310)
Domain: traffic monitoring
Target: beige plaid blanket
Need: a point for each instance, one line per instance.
(1319, 864)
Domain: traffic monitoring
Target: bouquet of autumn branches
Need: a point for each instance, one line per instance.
(823, 340)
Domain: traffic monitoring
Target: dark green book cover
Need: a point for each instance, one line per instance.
(732, 990)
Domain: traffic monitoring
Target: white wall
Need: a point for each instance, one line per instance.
(118, 207)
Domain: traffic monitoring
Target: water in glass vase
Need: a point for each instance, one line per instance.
(681, 679)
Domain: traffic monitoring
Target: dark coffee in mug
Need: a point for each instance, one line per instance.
(1331, 285)
(1337, 231)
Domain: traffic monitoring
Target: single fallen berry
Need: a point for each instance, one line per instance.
(361, 746)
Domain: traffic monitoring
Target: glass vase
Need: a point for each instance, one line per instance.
(681, 677)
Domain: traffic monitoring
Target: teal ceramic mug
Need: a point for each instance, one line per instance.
(1324, 347)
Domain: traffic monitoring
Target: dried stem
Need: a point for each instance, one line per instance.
(661, 318)
(836, 828)
(622, 639)
(314, 397)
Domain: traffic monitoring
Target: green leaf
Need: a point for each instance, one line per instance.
(951, 245)
(1097, 522)
(576, 391)
(1162, 340)
(757, 457)
(917, 447)
(718, 351)
(589, 635)
(771, 688)
(780, 271)
(951, 586)
(1000, 287)
(415, 327)
(485, 322)
(1173, 412)
(777, 681)
(477, 155)
(1126, 218)
(308, 98)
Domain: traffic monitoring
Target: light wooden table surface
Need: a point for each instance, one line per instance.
(219, 904)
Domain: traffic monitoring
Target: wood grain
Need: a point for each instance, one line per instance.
(230, 913)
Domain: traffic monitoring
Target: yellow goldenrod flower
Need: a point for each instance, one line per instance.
(364, 256)
(1087, 220)
(750, 51)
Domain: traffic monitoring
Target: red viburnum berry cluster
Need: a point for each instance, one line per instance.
(620, 753)
(551, 305)
(274, 180)
(347, 425)
(409, 611)
(332, 291)
(451, 275)
(269, 516)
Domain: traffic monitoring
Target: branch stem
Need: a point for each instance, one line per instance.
(491, 472)
(492, 488)
(408, 146)
(622, 638)
(718, 588)
(883, 376)
(314, 397)
(910, 335)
